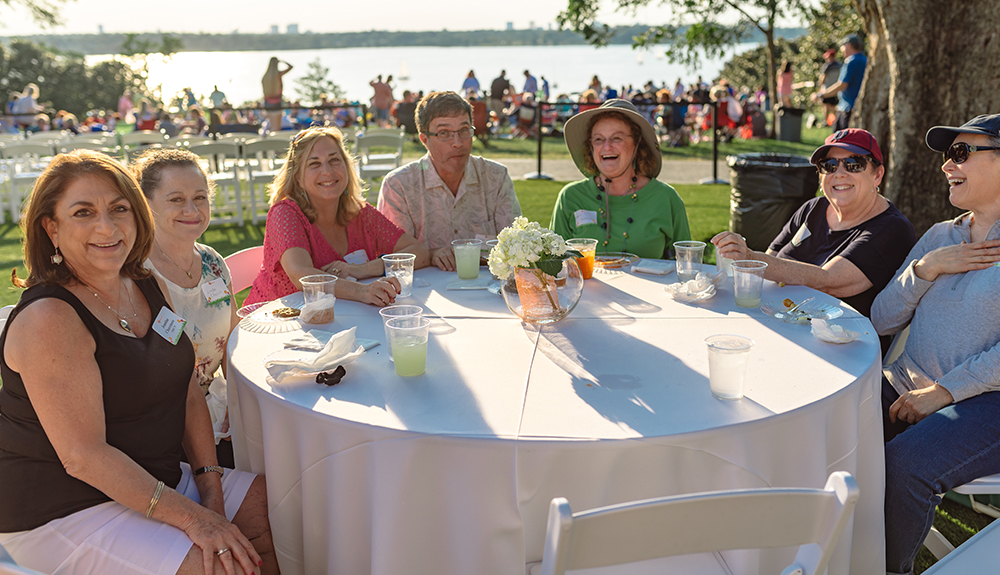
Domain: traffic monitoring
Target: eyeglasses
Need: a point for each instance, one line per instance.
(599, 142)
(853, 164)
(447, 135)
(959, 151)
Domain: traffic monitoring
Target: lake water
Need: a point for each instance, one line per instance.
(567, 68)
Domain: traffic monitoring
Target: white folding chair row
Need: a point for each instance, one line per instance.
(222, 163)
(684, 533)
(263, 159)
(27, 160)
(143, 138)
(372, 164)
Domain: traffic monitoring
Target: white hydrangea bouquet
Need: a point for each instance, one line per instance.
(528, 245)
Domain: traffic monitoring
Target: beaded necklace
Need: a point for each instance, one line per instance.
(606, 210)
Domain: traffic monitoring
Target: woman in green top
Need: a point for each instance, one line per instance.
(620, 204)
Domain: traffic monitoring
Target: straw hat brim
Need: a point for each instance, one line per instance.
(575, 134)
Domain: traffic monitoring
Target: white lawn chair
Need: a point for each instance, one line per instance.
(244, 266)
(263, 160)
(977, 555)
(373, 165)
(221, 162)
(143, 138)
(27, 161)
(703, 524)
(107, 147)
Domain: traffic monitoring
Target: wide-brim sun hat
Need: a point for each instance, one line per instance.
(940, 138)
(575, 134)
(854, 140)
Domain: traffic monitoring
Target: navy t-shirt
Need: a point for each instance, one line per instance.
(877, 247)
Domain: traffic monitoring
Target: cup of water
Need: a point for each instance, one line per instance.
(728, 356)
(400, 266)
(408, 339)
(748, 281)
(467, 258)
(689, 258)
(392, 311)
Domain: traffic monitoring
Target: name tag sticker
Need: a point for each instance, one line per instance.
(584, 217)
(215, 290)
(169, 325)
(801, 235)
(357, 257)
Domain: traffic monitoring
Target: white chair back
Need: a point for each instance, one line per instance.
(813, 519)
(221, 160)
(372, 164)
(263, 157)
(244, 266)
(143, 138)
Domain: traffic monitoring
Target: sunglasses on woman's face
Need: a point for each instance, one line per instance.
(959, 151)
(853, 164)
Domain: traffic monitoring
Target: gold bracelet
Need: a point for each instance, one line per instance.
(155, 499)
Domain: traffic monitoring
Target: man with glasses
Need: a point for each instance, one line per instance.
(848, 86)
(448, 194)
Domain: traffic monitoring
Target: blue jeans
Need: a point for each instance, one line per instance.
(946, 449)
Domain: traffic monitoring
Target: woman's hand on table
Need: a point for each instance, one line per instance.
(212, 532)
(956, 259)
(732, 246)
(915, 405)
(443, 259)
(381, 292)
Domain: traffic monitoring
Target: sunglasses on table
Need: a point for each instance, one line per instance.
(853, 164)
(959, 151)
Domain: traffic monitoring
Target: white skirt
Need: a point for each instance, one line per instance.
(111, 538)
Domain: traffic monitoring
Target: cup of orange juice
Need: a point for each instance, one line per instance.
(588, 248)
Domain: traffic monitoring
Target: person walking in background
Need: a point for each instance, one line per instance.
(273, 90)
(530, 83)
(217, 97)
(545, 88)
(470, 83)
(382, 100)
(785, 84)
(498, 88)
(848, 85)
(828, 76)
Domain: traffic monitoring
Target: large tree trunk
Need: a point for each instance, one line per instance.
(930, 63)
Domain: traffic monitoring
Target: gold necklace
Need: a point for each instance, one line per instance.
(164, 254)
(121, 319)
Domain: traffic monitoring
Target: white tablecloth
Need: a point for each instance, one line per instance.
(451, 472)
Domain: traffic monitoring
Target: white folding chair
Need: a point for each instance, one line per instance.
(28, 161)
(977, 555)
(221, 162)
(143, 138)
(191, 139)
(371, 164)
(262, 156)
(107, 147)
(702, 523)
(244, 266)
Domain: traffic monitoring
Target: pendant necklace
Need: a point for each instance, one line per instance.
(164, 254)
(121, 319)
(606, 210)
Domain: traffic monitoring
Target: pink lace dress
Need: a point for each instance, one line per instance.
(287, 227)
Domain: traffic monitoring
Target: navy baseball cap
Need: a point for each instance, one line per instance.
(854, 140)
(940, 138)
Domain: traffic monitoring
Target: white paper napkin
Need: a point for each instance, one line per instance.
(316, 340)
(832, 332)
(655, 267)
(698, 289)
(342, 349)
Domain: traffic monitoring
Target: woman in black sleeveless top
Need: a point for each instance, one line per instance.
(99, 399)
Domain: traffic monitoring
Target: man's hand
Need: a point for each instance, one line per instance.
(915, 405)
(443, 258)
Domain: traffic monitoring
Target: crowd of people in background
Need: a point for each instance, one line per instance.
(681, 113)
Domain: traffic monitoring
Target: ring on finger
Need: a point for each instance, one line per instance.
(222, 551)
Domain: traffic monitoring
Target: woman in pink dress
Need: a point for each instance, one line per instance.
(320, 223)
(785, 84)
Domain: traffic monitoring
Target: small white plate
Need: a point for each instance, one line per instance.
(262, 320)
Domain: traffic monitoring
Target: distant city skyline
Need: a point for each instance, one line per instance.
(260, 17)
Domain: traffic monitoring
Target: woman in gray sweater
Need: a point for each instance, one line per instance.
(940, 397)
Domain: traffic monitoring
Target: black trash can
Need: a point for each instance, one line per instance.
(789, 124)
(767, 189)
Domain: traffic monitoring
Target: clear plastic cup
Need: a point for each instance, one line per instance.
(400, 266)
(408, 339)
(690, 255)
(587, 247)
(467, 258)
(318, 293)
(748, 281)
(728, 356)
(392, 311)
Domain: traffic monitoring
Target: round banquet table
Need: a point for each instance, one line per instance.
(451, 472)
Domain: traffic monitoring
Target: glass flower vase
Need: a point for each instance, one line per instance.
(537, 297)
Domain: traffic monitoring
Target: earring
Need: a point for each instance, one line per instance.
(56, 258)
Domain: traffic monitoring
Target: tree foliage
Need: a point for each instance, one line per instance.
(45, 12)
(316, 83)
(64, 79)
